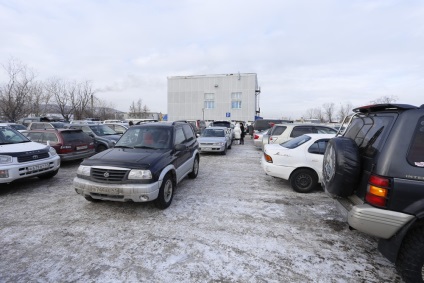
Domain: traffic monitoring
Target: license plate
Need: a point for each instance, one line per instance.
(105, 190)
(82, 147)
(37, 167)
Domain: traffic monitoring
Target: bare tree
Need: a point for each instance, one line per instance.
(15, 95)
(385, 99)
(329, 109)
(40, 100)
(81, 96)
(145, 112)
(60, 92)
(136, 109)
(344, 111)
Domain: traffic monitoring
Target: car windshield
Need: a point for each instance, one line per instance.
(293, 143)
(18, 127)
(146, 137)
(222, 124)
(102, 130)
(213, 133)
(11, 136)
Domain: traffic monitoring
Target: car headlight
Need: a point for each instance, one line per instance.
(52, 151)
(219, 143)
(84, 170)
(5, 159)
(140, 174)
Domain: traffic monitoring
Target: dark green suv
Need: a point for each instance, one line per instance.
(375, 172)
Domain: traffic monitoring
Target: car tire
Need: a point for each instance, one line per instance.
(229, 147)
(195, 169)
(303, 180)
(341, 167)
(166, 193)
(410, 262)
(90, 199)
(48, 175)
(101, 148)
(225, 150)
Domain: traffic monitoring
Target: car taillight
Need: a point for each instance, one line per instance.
(378, 190)
(65, 149)
(268, 158)
(255, 137)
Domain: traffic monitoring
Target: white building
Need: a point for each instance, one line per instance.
(213, 97)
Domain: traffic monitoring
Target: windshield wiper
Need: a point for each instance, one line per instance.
(123, 146)
(143, 146)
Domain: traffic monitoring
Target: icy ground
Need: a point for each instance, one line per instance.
(231, 224)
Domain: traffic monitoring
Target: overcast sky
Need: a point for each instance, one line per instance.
(305, 53)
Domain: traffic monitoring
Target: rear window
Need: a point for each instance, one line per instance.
(222, 124)
(293, 143)
(260, 125)
(368, 132)
(73, 136)
(278, 130)
(416, 152)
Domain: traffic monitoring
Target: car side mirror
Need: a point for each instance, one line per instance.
(180, 147)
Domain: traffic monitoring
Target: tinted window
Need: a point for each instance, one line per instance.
(278, 130)
(416, 151)
(367, 132)
(74, 136)
(179, 136)
(325, 130)
(301, 130)
(293, 143)
(188, 132)
(51, 137)
(37, 137)
(318, 147)
(263, 124)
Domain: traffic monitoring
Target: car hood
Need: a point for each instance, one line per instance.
(210, 139)
(22, 147)
(111, 137)
(126, 157)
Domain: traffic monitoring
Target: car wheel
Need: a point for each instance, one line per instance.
(410, 262)
(229, 147)
(101, 148)
(166, 193)
(304, 180)
(195, 170)
(225, 150)
(341, 167)
(89, 198)
(48, 175)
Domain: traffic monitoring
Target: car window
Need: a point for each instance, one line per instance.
(301, 130)
(11, 136)
(416, 151)
(36, 137)
(188, 132)
(73, 136)
(278, 130)
(367, 132)
(295, 142)
(179, 136)
(325, 130)
(85, 129)
(318, 147)
(51, 137)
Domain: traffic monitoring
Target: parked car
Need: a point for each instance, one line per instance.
(198, 125)
(47, 125)
(21, 158)
(18, 127)
(375, 172)
(119, 128)
(70, 144)
(146, 164)
(215, 139)
(280, 133)
(298, 160)
(226, 124)
(263, 124)
(258, 138)
(104, 137)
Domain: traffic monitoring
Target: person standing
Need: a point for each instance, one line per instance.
(243, 133)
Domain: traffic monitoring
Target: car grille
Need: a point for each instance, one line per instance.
(108, 175)
(206, 143)
(33, 157)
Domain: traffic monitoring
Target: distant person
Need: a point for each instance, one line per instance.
(243, 133)
(130, 123)
(237, 133)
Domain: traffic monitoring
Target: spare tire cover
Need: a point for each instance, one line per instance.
(341, 167)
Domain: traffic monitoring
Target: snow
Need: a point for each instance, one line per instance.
(232, 223)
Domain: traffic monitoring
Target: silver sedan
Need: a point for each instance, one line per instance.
(215, 139)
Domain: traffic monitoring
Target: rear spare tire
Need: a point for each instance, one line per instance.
(341, 167)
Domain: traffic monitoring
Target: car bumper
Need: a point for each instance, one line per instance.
(211, 148)
(370, 220)
(76, 155)
(117, 192)
(14, 172)
(271, 169)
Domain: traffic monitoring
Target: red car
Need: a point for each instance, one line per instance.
(70, 144)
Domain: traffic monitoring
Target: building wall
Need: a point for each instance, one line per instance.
(186, 97)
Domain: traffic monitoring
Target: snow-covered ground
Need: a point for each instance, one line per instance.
(231, 224)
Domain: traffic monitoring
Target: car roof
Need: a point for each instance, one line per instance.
(302, 124)
(217, 128)
(320, 136)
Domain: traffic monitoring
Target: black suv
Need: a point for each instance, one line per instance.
(146, 164)
(375, 171)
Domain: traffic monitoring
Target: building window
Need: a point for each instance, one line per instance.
(236, 100)
(209, 100)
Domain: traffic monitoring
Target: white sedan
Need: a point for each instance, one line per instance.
(298, 160)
